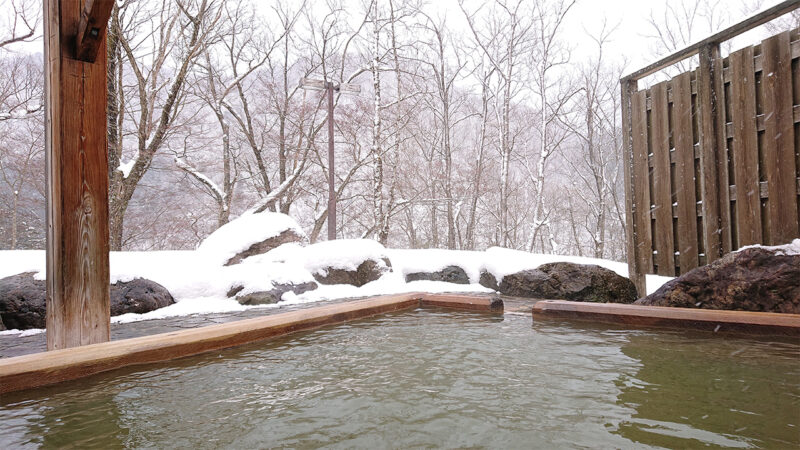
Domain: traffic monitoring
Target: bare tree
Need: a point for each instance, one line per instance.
(548, 54)
(18, 21)
(504, 36)
(180, 32)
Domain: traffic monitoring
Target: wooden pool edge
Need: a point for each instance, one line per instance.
(46, 368)
(660, 316)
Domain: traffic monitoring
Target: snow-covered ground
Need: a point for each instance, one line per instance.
(199, 282)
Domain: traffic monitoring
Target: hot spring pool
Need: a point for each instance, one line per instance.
(438, 378)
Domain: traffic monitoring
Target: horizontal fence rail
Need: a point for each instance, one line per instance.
(712, 157)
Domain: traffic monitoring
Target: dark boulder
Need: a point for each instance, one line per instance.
(754, 279)
(23, 302)
(285, 237)
(487, 279)
(138, 296)
(271, 296)
(450, 274)
(569, 281)
(368, 270)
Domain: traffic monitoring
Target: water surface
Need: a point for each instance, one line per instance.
(432, 378)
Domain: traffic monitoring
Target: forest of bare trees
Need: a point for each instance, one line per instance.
(485, 133)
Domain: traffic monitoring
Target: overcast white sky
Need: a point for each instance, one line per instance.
(629, 42)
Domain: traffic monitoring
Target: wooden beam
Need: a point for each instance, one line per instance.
(468, 302)
(662, 316)
(76, 163)
(92, 28)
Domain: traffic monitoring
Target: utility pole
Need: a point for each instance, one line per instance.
(329, 87)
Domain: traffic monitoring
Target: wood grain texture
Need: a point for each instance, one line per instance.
(662, 183)
(698, 319)
(78, 309)
(745, 147)
(778, 142)
(683, 136)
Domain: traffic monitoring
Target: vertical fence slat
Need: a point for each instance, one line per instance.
(714, 167)
(635, 270)
(778, 141)
(745, 147)
(641, 182)
(659, 123)
(684, 173)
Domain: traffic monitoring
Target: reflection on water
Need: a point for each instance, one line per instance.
(707, 390)
(432, 378)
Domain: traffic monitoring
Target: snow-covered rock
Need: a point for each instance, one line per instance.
(250, 235)
(347, 261)
(449, 274)
(570, 281)
(755, 278)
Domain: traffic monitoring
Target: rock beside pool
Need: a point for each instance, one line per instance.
(271, 296)
(569, 281)
(23, 303)
(369, 270)
(450, 274)
(754, 279)
(138, 296)
(2, 325)
(487, 279)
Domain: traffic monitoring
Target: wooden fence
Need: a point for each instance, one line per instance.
(713, 157)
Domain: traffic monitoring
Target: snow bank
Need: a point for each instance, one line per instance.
(199, 283)
(13, 262)
(241, 233)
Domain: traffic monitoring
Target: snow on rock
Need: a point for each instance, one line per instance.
(245, 236)
(264, 276)
(790, 249)
(13, 262)
(343, 254)
(503, 261)
(433, 260)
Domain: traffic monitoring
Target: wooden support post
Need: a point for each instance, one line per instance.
(635, 271)
(77, 182)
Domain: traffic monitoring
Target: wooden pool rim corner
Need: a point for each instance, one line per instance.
(46, 368)
(662, 316)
